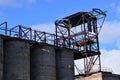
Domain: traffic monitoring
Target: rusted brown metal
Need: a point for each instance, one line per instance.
(23, 32)
(84, 39)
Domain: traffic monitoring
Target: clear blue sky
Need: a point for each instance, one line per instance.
(39, 12)
(29, 12)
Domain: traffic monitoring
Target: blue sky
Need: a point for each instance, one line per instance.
(29, 12)
(41, 14)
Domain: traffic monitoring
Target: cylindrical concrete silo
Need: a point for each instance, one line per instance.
(43, 63)
(16, 60)
(64, 64)
(1, 58)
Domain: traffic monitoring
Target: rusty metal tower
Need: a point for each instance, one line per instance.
(80, 32)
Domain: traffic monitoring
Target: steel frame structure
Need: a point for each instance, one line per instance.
(78, 31)
(84, 39)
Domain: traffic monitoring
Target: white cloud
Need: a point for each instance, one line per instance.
(118, 11)
(2, 16)
(112, 5)
(110, 59)
(113, 9)
(118, 43)
(79, 66)
(50, 28)
(110, 32)
(8, 3)
(16, 3)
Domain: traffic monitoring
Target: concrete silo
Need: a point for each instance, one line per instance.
(16, 60)
(43, 66)
(64, 64)
(1, 58)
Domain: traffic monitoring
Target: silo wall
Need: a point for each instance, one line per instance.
(64, 64)
(43, 66)
(1, 58)
(16, 60)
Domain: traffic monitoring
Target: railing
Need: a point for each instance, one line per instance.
(103, 69)
(3, 28)
(27, 33)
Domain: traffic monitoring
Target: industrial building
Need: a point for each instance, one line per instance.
(27, 54)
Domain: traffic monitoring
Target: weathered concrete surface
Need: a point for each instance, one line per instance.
(64, 64)
(109, 76)
(100, 76)
(45, 62)
(16, 60)
(97, 76)
(1, 58)
(25, 61)
(43, 65)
